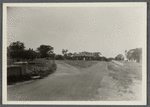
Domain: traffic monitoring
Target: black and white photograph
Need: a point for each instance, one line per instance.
(75, 53)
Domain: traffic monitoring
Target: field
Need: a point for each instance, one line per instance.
(80, 63)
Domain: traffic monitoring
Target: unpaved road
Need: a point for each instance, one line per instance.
(66, 84)
(69, 83)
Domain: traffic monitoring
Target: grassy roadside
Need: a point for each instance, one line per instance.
(128, 79)
(128, 71)
(120, 75)
(80, 63)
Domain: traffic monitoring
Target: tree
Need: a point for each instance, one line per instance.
(29, 54)
(59, 57)
(119, 57)
(16, 50)
(129, 54)
(135, 54)
(44, 50)
(64, 52)
(70, 55)
(51, 55)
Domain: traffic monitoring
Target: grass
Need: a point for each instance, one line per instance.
(125, 74)
(134, 69)
(80, 63)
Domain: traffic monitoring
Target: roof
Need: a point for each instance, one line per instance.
(87, 55)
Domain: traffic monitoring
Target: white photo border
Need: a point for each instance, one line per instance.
(104, 4)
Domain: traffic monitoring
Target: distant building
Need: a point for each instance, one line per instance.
(86, 56)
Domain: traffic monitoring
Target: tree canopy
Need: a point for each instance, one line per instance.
(64, 51)
(30, 54)
(16, 50)
(135, 54)
(45, 50)
(119, 57)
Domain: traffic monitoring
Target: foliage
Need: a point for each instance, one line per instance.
(29, 54)
(59, 57)
(16, 50)
(119, 57)
(45, 50)
(69, 56)
(135, 54)
(64, 52)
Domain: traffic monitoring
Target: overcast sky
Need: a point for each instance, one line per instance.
(109, 30)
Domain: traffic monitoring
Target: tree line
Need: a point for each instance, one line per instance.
(17, 51)
(131, 55)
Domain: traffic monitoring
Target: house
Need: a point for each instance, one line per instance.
(86, 56)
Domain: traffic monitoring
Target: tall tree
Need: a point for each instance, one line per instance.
(29, 54)
(64, 52)
(16, 50)
(135, 54)
(44, 50)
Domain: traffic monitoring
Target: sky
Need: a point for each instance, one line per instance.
(108, 30)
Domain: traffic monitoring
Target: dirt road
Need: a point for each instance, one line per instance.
(103, 81)
(66, 84)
